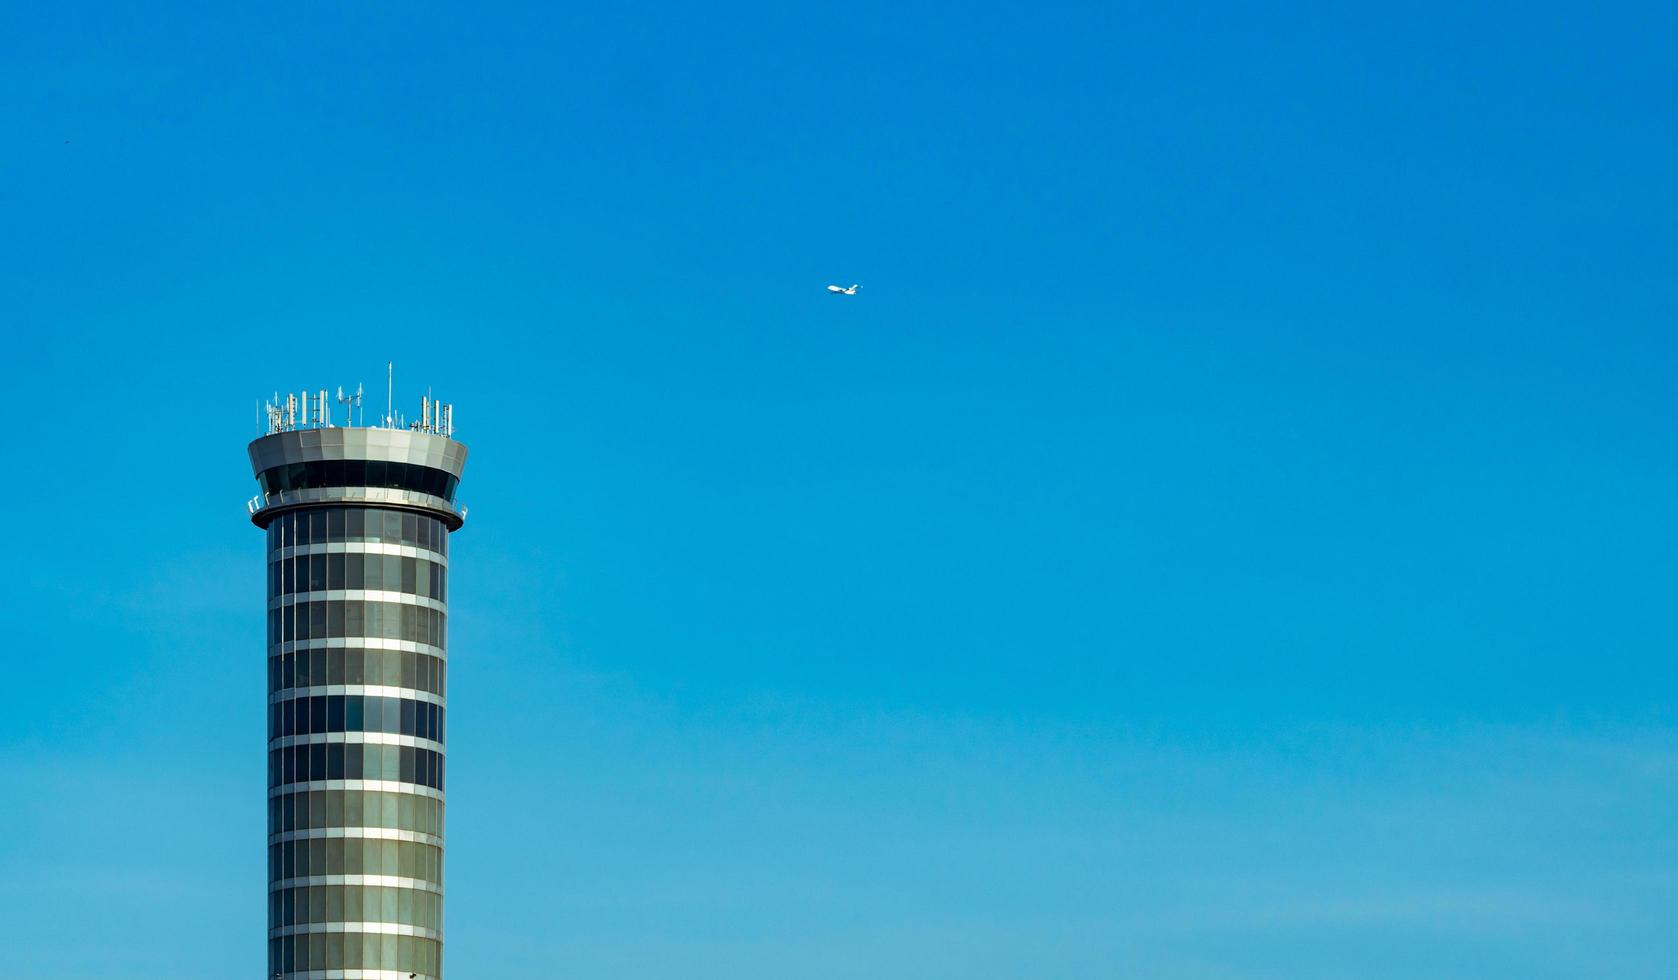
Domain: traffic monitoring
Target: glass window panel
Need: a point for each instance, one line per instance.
(410, 569)
(393, 572)
(354, 563)
(355, 663)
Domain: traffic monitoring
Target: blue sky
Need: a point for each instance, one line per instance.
(1230, 535)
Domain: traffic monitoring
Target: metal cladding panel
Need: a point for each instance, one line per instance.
(389, 445)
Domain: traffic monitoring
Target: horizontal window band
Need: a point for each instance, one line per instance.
(386, 596)
(358, 548)
(351, 927)
(352, 975)
(365, 785)
(369, 473)
(388, 672)
(317, 717)
(327, 575)
(364, 642)
(350, 833)
(357, 738)
(381, 881)
(405, 619)
(364, 761)
(375, 785)
(365, 690)
(369, 813)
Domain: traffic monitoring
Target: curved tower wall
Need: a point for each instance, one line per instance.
(358, 523)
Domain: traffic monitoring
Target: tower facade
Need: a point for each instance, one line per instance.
(358, 522)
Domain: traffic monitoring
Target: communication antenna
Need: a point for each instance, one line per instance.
(350, 403)
(390, 394)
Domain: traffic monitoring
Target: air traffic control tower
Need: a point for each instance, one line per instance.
(358, 521)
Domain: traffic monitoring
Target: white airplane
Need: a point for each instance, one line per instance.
(842, 291)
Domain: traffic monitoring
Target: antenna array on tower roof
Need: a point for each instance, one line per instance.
(313, 410)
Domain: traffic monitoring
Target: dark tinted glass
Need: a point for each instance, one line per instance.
(338, 665)
(357, 473)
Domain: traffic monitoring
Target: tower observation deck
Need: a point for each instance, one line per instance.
(358, 520)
